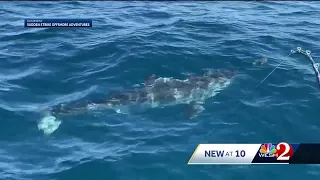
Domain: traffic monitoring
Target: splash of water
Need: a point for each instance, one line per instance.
(48, 124)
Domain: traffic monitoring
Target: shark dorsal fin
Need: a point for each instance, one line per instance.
(151, 79)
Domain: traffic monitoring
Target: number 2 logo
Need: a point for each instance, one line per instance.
(284, 151)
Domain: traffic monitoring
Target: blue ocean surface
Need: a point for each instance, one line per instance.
(129, 41)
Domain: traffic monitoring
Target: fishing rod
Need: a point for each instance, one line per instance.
(298, 51)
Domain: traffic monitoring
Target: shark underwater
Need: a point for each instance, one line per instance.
(156, 92)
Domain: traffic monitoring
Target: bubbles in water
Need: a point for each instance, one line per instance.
(49, 124)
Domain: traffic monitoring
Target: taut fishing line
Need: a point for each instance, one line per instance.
(297, 51)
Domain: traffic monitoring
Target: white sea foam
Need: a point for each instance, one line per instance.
(48, 124)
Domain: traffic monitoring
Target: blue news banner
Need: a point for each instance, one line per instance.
(267, 153)
(56, 23)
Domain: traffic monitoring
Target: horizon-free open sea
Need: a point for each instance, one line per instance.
(132, 40)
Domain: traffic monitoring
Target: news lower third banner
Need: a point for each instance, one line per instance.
(267, 153)
(56, 23)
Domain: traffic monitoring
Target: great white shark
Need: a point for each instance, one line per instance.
(192, 91)
(156, 92)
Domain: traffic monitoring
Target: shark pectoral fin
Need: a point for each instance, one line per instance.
(194, 109)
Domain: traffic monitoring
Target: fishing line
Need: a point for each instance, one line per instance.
(298, 51)
(315, 65)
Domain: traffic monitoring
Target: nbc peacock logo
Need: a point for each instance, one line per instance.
(267, 150)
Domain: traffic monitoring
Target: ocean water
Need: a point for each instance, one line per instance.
(131, 41)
